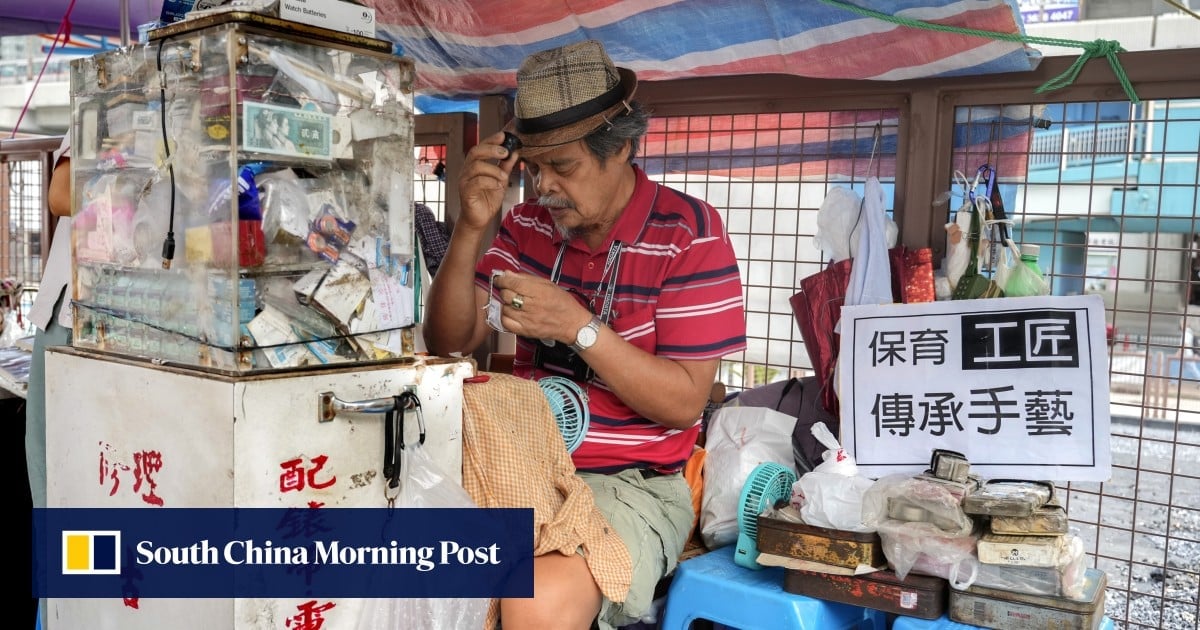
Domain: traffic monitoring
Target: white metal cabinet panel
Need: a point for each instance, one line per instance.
(195, 439)
(109, 422)
(340, 460)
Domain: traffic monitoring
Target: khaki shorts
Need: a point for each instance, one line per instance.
(653, 517)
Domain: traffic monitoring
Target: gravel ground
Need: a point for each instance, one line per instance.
(1163, 567)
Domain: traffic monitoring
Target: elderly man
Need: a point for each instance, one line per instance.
(623, 285)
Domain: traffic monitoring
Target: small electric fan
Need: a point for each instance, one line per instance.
(767, 484)
(569, 404)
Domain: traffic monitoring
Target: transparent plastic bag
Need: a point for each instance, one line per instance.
(1009, 259)
(945, 549)
(925, 549)
(927, 501)
(1066, 579)
(425, 485)
(1024, 278)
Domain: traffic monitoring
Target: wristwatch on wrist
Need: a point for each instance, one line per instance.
(586, 337)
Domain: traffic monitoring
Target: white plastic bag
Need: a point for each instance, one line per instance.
(835, 459)
(739, 439)
(10, 329)
(840, 225)
(832, 494)
(425, 485)
(958, 252)
(958, 249)
(836, 223)
(832, 500)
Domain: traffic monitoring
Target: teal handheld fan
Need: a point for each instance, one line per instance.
(768, 484)
(569, 404)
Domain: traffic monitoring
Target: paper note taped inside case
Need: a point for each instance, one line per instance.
(342, 134)
(278, 341)
(338, 292)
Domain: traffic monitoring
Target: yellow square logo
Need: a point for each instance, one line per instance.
(91, 552)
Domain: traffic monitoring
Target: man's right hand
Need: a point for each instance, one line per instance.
(484, 181)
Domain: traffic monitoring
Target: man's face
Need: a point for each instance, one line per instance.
(579, 190)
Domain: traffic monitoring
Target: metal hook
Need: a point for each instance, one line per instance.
(409, 400)
(876, 139)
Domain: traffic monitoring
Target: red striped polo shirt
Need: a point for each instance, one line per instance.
(678, 295)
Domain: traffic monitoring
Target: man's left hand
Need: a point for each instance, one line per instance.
(536, 308)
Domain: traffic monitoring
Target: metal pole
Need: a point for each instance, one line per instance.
(124, 23)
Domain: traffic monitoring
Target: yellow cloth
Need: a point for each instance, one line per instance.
(514, 456)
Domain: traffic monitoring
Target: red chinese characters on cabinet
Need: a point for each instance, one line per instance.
(146, 464)
(296, 476)
(310, 617)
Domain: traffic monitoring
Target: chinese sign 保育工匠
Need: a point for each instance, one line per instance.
(1018, 385)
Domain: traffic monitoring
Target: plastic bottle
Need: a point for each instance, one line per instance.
(1030, 280)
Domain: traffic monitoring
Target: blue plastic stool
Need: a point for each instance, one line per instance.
(944, 623)
(712, 587)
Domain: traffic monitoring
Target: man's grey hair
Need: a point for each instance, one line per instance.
(606, 141)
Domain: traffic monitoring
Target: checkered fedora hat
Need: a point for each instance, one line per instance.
(566, 93)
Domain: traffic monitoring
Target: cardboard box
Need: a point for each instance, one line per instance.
(335, 15)
(177, 10)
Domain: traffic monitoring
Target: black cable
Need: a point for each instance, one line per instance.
(168, 248)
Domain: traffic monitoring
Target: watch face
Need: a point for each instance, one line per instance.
(586, 337)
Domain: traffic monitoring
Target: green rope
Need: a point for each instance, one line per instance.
(1091, 50)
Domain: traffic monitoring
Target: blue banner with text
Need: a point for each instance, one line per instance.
(283, 552)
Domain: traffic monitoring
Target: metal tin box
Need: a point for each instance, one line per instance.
(819, 544)
(1048, 519)
(1025, 551)
(1008, 498)
(918, 596)
(1006, 610)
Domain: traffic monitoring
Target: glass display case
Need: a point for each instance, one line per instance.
(243, 197)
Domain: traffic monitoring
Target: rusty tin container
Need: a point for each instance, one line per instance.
(834, 547)
(1048, 519)
(1008, 498)
(919, 596)
(1006, 610)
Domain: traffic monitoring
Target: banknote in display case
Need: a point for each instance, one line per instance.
(286, 131)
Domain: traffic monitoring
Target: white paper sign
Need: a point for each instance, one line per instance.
(1018, 385)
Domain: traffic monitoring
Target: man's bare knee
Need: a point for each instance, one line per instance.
(564, 596)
